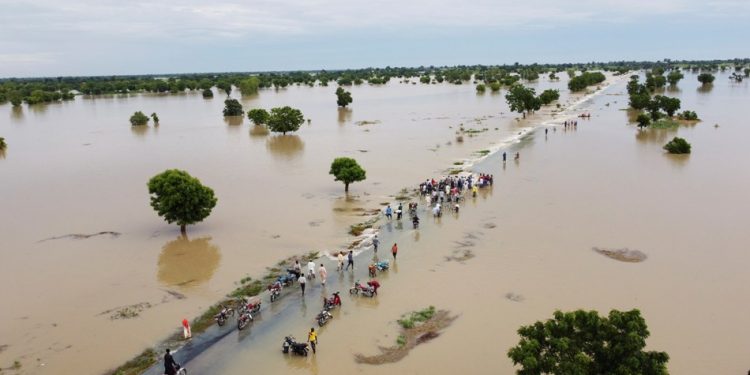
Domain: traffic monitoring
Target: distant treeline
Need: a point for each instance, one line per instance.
(49, 89)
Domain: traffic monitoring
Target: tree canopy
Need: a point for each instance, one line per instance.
(180, 198)
(582, 342)
(678, 146)
(584, 80)
(138, 118)
(207, 93)
(285, 119)
(258, 116)
(548, 96)
(3, 145)
(706, 78)
(343, 97)
(347, 170)
(249, 85)
(232, 107)
(522, 99)
(675, 76)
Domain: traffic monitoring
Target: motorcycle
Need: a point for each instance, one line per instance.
(287, 279)
(275, 291)
(415, 222)
(299, 348)
(323, 317)
(366, 290)
(223, 315)
(382, 266)
(250, 307)
(332, 302)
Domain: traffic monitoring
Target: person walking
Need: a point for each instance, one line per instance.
(311, 269)
(323, 274)
(170, 366)
(350, 260)
(302, 281)
(505, 156)
(340, 267)
(394, 250)
(312, 338)
(375, 243)
(389, 212)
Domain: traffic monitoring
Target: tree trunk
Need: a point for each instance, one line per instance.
(183, 230)
(346, 187)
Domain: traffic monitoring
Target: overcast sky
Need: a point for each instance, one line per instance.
(104, 37)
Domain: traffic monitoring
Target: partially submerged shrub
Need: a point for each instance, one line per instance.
(138, 118)
(678, 146)
(688, 115)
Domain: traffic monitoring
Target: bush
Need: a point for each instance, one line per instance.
(586, 79)
(678, 146)
(688, 115)
(495, 86)
(643, 120)
(232, 107)
(258, 116)
(706, 78)
(480, 87)
(207, 93)
(138, 118)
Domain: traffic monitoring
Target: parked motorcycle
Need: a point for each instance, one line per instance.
(249, 307)
(382, 266)
(366, 290)
(287, 279)
(323, 317)
(223, 315)
(332, 302)
(275, 291)
(299, 348)
(244, 319)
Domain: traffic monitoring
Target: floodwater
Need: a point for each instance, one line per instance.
(604, 184)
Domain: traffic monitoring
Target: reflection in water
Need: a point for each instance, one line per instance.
(139, 130)
(285, 146)
(16, 113)
(654, 135)
(705, 89)
(233, 120)
(2, 154)
(187, 263)
(39, 108)
(345, 114)
(677, 160)
(257, 131)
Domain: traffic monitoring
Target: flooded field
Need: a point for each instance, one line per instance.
(78, 168)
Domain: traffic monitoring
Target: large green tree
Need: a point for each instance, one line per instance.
(258, 116)
(138, 118)
(522, 99)
(582, 342)
(180, 198)
(232, 107)
(249, 86)
(706, 78)
(343, 97)
(548, 96)
(285, 119)
(668, 104)
(347, 170)
(675, 76)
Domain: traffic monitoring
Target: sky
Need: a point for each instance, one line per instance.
(115, 37)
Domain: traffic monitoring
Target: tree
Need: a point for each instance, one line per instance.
(226, 86)
(654, 108)
(553, 77)
(347, 171)
(232, 107)
(343, 97)
(138, 118)
(495, 86)
(258, 116)
(180, 198)
(155, 118)
(674, 76)
(578, 83)
(481, 88)
(669, 105)
(3, 145)
(706, 78)
(688, 115)
(582, 342)
(285, 119)
(548, 96)
(678, 146)
(249, 86)
(643, 120)
(207, 93)
(522, 99)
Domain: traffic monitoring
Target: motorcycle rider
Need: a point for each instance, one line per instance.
(374, 284)
(415, 221)
(170, 366)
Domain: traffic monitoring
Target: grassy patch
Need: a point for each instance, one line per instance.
(401, 340)
(458, 163)
(483, 152)
(357, 229)
(415, 317)
(138, 364)
(454, 171)
(665, 123)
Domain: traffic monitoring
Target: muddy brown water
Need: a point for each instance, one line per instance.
(79, 168)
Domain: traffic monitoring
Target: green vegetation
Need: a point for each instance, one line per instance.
(584, 80)
(495, 86)
(706, 78)
(343, 97)
(285, 119)
(415, 317)
(582, 342)
(247, 288)
(665, 123)
(139, 364)
(249, 86)
(667, 104)
(401, 340)
(655, 81)
(548, 96)
(674, 76)
(347, 170)
(643, 120)
(207, 93)
(553, 77)
(155, 117)
(138, 118)
(258, 116)
(3, 145)
(481, 88)
(483, 152)
(688, 116)
(232, 107)
(180, 198)
(678, 146)
(522, 99)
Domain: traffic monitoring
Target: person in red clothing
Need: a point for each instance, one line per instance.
(394, 250)
(375, 285)
(186, 329)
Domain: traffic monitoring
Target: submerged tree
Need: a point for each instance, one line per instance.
(347, 170)
(667, 104)
(180, 198)
(678, 146)
(481, 88)
(207, 93)
(675, 76)
(232, 107)
(343, 97)
(155, 117)
(643, 120)
(249, 86)
(258, 116)
(548, 96)
(706, 78)
(285, 119)
(522, 99)
(3, 145)
(582, 342)
(138, 118)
